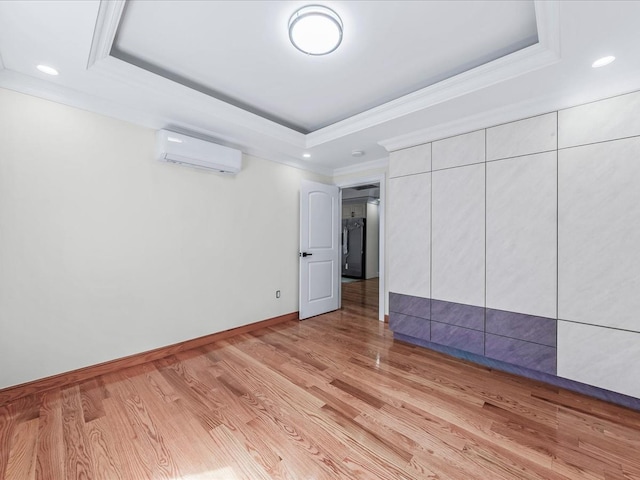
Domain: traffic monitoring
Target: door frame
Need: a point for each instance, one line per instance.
(356, 182)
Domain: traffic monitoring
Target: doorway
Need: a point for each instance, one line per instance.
(362, 247)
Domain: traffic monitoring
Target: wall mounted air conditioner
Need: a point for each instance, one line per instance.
(177, 148)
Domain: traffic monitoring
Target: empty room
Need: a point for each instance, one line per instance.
(319, 240)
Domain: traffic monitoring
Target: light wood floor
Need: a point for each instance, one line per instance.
(327, 398)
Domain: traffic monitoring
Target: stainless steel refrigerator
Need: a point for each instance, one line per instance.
(353, 247)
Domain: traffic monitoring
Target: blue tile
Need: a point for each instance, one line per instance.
(458, 337)
(523, 327)
(521, 353)
(467, 316)
(409, 305)
(408, 325)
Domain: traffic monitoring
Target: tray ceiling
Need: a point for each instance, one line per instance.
(239, 52)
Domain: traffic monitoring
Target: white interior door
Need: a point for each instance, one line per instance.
(319, 248)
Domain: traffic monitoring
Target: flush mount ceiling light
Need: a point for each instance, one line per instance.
(601, 62)
(315, 30)
(306, 155)
(47, 69)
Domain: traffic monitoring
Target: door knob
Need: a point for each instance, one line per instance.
(305, 254)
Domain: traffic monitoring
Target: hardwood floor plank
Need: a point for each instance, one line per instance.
(311, 441)
(236, 455)
(21, 463)
(358, 393)
(91, 395)
(145, 426)
(106, 462)
(398, 451)
(344, 408)
(50, 455)
(178, 427)
(279, 444)
(7, 425)
(260, 452)
(129, 447)
(77, 458)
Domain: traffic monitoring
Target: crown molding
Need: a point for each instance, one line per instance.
(109, 15)
(470, 124)
(362, 167)
(548, 23)
(355, 182)
(187, 99)
(544, 53)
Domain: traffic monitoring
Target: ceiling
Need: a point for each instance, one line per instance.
(249, 61)
(406, 72)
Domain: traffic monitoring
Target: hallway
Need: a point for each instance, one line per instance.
(361, 298)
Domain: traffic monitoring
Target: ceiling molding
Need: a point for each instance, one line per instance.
(356, 182)
(548, 23)
(37, 87)
(109, 15)
(545, 53)
(362, 167)
(156, 87)
(510, 113)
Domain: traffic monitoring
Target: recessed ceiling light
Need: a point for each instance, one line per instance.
(47, 69)
(174, 139)
(357, 153)
(306, 155)
(315, 30)
(601, 62)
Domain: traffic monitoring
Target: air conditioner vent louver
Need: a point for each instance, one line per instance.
(184, 150)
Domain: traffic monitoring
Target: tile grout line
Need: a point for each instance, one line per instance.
(431, 242)
(485, 245)
(618, 329)
(557, 232)
(599, 142)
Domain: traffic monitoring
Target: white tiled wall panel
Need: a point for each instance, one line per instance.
(609, 119)
(410, 161)
(458, 235)
(521, 234)
(531, 135)
(409, 235)
(599, 234)
(602, 357)
(460, 150)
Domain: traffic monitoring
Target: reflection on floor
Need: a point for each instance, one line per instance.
(361, 297)
(350, 280)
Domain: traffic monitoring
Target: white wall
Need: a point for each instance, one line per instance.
(105, 252)
(373, 241)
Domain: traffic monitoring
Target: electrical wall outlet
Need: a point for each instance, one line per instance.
(277, 293)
